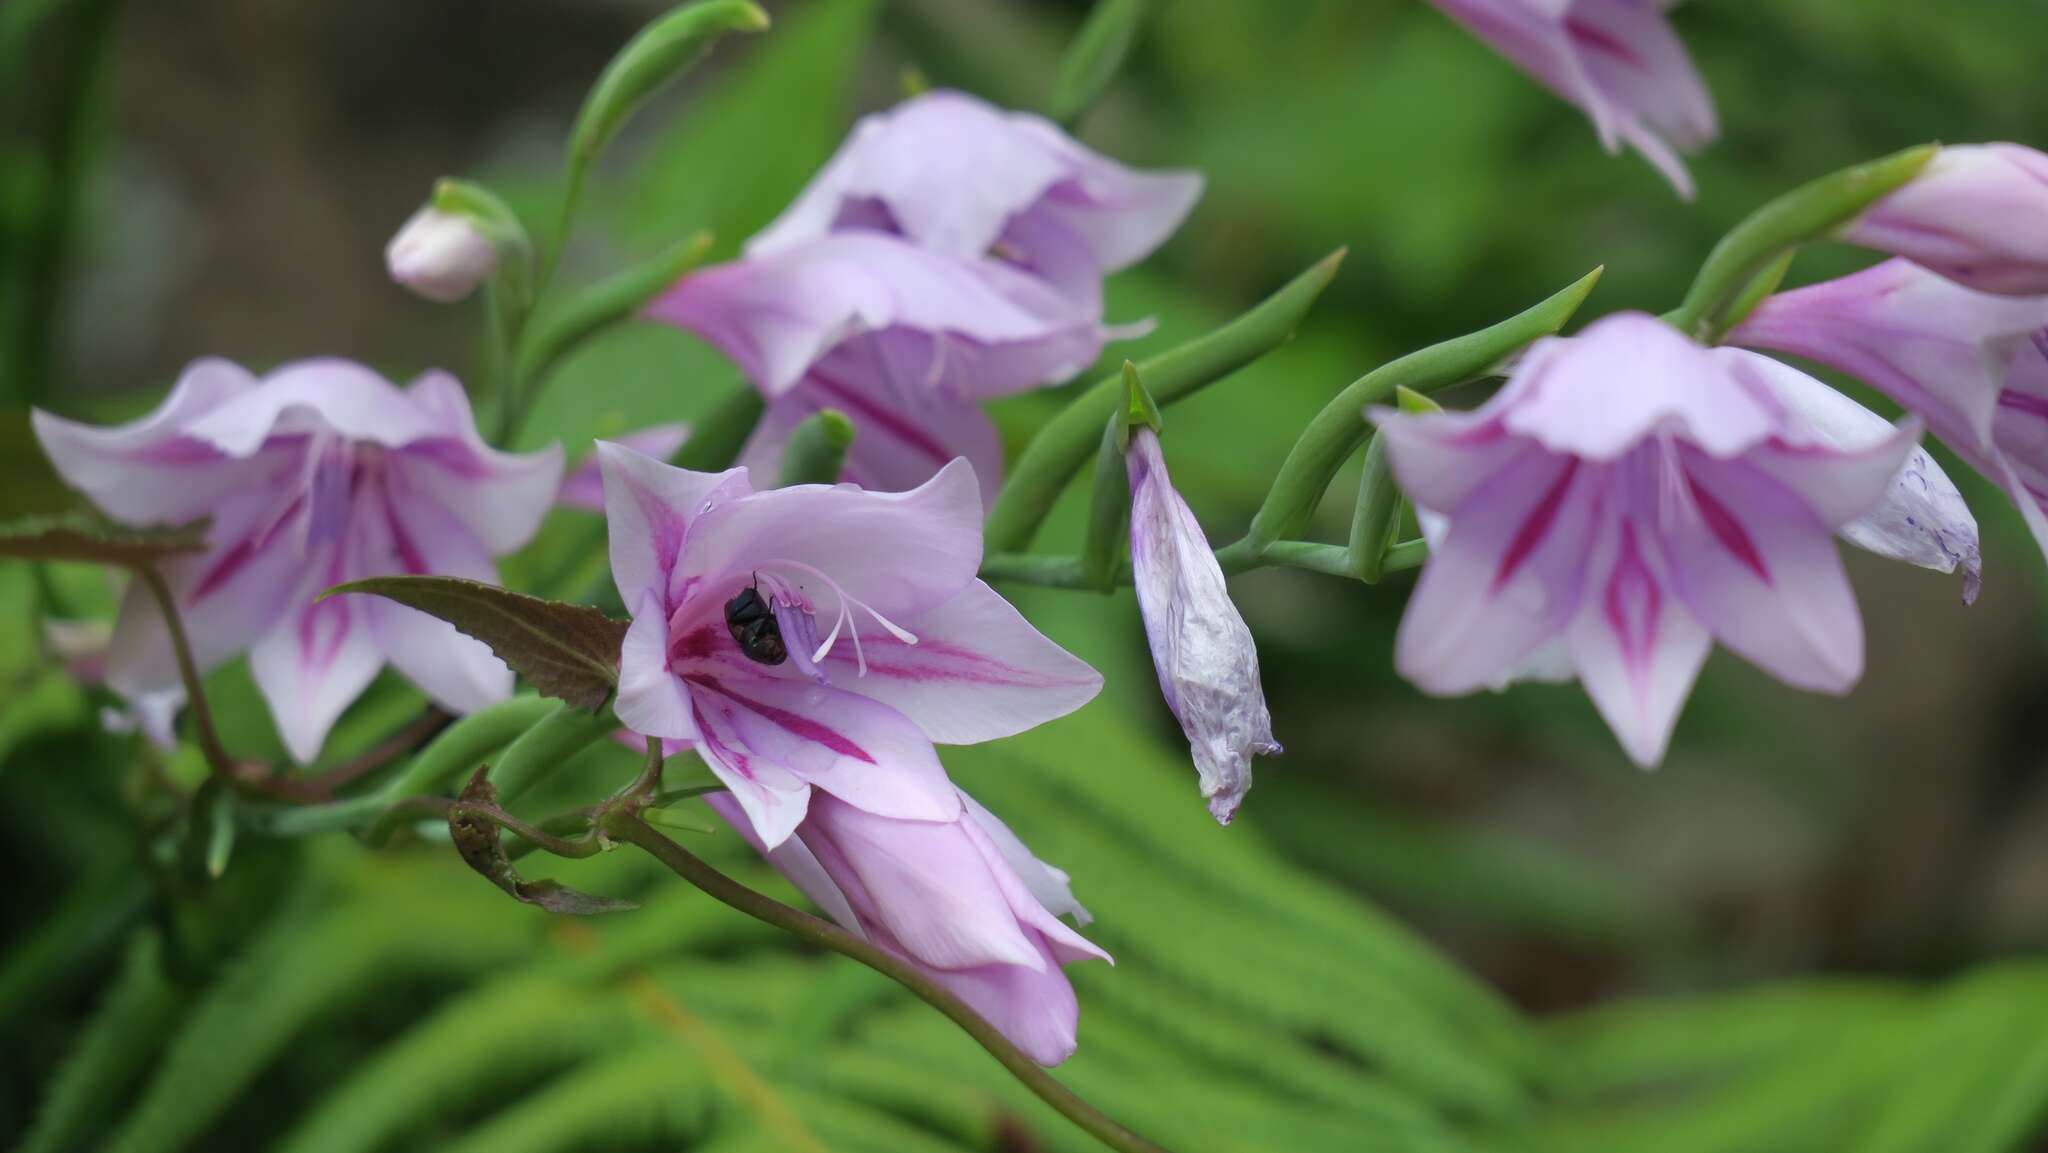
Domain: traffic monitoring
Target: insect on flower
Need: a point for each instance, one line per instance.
(751, 621)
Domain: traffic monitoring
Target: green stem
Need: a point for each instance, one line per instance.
(1337, 431)
(218, 761)
(1072, 572)
(547, 746)
(1068, 441)
(623, 825)
(1376, 517)
(465, 744)
(1813, 211)
(459, 749)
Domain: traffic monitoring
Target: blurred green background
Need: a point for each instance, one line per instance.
(1437, 925)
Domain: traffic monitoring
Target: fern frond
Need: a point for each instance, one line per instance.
(503, 1034)
(654, 1093)
(139, 1012)
(304, 968)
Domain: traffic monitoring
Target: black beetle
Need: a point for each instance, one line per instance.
(754, 628)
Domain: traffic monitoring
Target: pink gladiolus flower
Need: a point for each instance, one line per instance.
(583, 487)
(950, 253)
(442, 256)
(320, 473)
(958, 176)
(1617, 61)
(1207, 663)
(904, 340)
(1969, 363)
(820, 636)
(961, 899)
(1634, 497)
(1978, 215)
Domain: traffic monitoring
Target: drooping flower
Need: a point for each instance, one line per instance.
(951, 252)
(1618, 61)
(583, 487)
(962, 899)
(1972, 365)
(1977, 214)
(1203, 652)
(1635, 497)
(820, 636)
(440, 255)
(904, 340)
(319, 473)
(961, 177)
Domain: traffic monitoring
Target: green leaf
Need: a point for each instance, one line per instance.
(1095, 56)
(567, 651)
(90, 540)
(663, 51)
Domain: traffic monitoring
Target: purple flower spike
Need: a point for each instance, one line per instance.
(1633, 497)
(1202, 650)
(319, 473)
(1617, 61)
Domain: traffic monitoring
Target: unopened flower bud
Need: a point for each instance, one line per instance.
(441, 255)
(1202, 650)
(1977, 215)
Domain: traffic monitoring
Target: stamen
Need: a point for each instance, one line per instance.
(845, 618)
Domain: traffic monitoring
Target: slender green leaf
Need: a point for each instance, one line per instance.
(1095, 56)
(663, 51)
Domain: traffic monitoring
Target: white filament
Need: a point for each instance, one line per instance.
(792, 594)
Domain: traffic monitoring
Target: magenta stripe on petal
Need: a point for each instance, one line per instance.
(733, 758)
(409, 556)
(973, 667)
(1728, 530)
(796, 725)
(231, 562)
(1534, 529)
(1599, 40)
(2022, 402)
(1633, 603)
(698, 644)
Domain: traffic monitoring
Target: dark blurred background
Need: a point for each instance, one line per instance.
(186, 178)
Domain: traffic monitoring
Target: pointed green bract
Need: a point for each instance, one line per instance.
(1095, 56)
(816, 450)
(1814, 211)
(663, 51)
